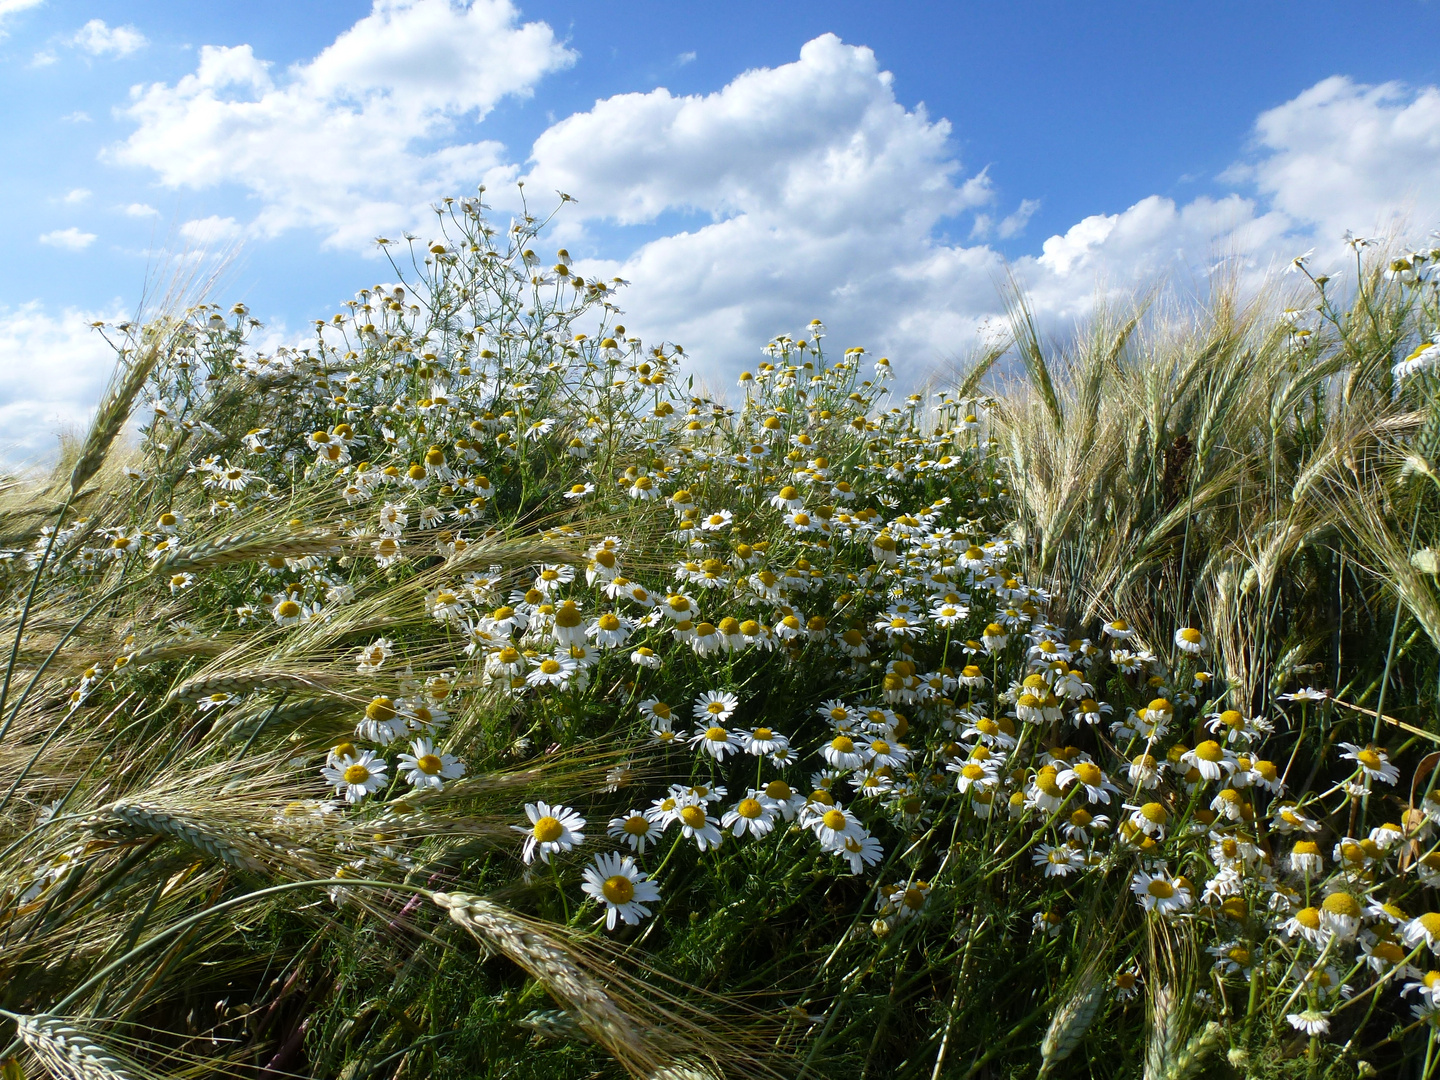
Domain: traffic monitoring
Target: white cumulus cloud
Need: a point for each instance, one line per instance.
(9, 8)
(71, 239)
(98, 39)
(360, 138)
(1343, 155)
(806, 189)
(819, 194)
(211, 229)
(55, 369)
(140, 210)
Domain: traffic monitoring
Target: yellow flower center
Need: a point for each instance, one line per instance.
(1370, 758)
(1160, 889)
(1309, 918)
(1209, 750)
(356, 774)
(637, 825)
(842, 744)
(1154, 812)
(429, 764)
(381, 710)
(1342, 903)
(778, 789)
(1089, 774)
(550, 665)
(749, 808)
(618, 889)
(548, 829)
(834, 819)
(694, 816)
(288, 609)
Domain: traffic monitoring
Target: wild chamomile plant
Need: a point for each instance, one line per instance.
(820, 731)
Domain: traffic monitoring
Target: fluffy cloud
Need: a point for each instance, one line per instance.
(71, 239)
(14, 7)
(806, 189)
(821, 194)
(210, 229)
(819, 141)
(361, 137)
(55, 368)
(97, 39)
(1343, 155)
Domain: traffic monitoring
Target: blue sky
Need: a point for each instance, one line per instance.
(879, 166)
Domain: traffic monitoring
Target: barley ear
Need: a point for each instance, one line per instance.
(110, 417)
(524, 942)
(187, 829)
(1072, 1019)
(1162, 1046)
(1190, 1060)
(66, 1051)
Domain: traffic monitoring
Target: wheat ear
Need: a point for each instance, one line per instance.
(243, 681)
(67, 1051)
(1072, 1020)
(521, 941)
(245, 546)
(114, 410)
(187, 830)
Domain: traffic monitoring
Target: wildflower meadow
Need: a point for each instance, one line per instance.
(473, 691)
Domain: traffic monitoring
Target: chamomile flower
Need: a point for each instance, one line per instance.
(1092, 778)
(424, 768)
(832, 825)
(557, 670)
(1309, 1022)
(356, 775)
(1372, 762)
(622, 887)
(717, 741)
(1189, 640)
(1161, 893)
(860, 850)
(752, 814)
(552, 830)
(760, 741)
(783, 799)
(715, 706)
(1213, 760)
(696, 823)
(843, 752)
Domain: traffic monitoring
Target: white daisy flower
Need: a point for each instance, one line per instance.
(752, 814)
(634, 828)
(356, 775)
(552, 829)
(424, 768)
(615, 881)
